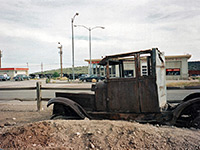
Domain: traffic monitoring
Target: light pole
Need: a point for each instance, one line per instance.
(0, 58)
(73, 44)
(60, 47)
(90, 47)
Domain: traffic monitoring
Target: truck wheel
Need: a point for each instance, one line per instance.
(196, 122)
(190, 117)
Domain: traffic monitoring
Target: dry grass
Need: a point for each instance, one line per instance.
(63, 79)
(183, 83)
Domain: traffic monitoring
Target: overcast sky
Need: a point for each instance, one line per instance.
(31, 29)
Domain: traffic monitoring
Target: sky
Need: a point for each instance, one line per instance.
(31, 29)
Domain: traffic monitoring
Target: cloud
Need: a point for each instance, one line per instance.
(26, 32)
(32, 28)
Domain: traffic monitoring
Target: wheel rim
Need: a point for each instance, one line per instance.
(189, 117)
(196, 122)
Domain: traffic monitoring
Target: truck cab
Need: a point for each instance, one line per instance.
(136, 93)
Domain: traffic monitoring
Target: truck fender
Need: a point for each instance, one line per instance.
(67, 103)
(191, 96)
(178, 110)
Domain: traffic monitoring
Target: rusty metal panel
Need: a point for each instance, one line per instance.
(105, 60)
(100, 96)
(123, 95)
(148, 94)
(86, 100)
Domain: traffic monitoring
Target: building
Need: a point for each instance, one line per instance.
(12, 72)
(176, 67)
(194, 68)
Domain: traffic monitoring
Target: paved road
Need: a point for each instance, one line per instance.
(179, 94)
(31, 94)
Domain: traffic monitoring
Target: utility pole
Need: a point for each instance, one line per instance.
(41, 67)
(60, 47)
(0, 58)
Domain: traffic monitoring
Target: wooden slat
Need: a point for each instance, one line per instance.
(43, 88)
(55, 88)
(18, 88)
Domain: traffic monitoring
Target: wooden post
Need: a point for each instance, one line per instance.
(149, 65)
(39, 96)
(107, 71)
(153, 62)
(137, 65)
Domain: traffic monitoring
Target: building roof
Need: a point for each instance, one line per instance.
(93, 60)
(178, 56)
(15, 69)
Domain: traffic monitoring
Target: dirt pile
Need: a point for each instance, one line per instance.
(95, 134)
(27, 136)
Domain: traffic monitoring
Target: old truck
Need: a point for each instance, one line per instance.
(136, 96)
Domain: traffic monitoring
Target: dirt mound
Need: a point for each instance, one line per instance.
(87, 134)
(27, 136)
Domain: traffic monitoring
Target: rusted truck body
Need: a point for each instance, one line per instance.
(139, 97)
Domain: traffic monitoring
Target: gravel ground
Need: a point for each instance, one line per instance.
(22, 127)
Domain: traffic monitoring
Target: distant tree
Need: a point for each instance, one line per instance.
(56, 74)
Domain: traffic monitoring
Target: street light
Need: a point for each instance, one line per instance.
(90, 29)
(60, 47)
(73, 44)
(0, 58)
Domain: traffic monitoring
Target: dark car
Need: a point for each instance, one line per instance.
(3, 78)
(90, 78)
(21, 77)
(82, 76)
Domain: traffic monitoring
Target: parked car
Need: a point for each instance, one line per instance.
(90, 78)
(21, 77)
(8, 77)
(83, 76)
(3, 78)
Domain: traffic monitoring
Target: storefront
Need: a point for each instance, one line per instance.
(12, 72)
(194, 68)
(177, 67)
